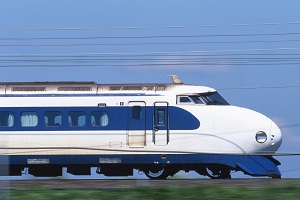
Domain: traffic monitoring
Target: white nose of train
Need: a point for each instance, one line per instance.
(268, 136)
(275, 138)
(265, 135)
(241, 130)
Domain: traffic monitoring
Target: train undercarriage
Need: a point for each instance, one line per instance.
(151, 171)
(154, 167)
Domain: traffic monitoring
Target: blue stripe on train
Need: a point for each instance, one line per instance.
(179, 119)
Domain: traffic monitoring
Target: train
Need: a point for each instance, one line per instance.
(158, 129)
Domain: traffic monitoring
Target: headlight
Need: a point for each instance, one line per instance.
(261, 137)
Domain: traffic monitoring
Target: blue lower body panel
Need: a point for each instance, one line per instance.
(254, 165)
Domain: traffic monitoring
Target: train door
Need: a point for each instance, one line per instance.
(136, 133)
(161, 124)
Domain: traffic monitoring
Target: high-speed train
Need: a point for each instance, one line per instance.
(158, 129)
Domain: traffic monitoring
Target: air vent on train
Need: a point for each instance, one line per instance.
(160, 88)
(132, 87)
(115, 88)
(28, 89)
(74, 89)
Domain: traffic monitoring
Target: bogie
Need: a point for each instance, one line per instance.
(218, 172)
(157, 172)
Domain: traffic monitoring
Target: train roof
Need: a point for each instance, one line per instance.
(20, 88)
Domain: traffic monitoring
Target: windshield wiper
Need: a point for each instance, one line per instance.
(207, 100)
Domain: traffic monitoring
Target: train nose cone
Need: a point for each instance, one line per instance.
(276, 136)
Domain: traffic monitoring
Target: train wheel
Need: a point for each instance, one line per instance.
(218, 172)
(157, 173)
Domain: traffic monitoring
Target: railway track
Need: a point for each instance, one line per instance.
(135, 183)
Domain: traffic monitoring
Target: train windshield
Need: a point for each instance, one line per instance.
(213, 98)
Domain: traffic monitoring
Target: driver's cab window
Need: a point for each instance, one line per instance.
(189, 100)
(184, 100)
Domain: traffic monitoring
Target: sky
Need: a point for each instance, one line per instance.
(249, 50)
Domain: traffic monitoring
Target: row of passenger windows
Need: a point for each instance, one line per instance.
(54, 119)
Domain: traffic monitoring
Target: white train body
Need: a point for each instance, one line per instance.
(41, 124)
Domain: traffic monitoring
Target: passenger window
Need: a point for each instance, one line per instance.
(161, 119)
(29, 119)
(6, 119)
(136, 112)
(53, 119)
(99, 118)
(76, 118)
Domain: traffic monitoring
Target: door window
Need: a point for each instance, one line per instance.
(136, 112)
(161, 117)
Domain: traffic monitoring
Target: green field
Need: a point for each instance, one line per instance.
(172, 193)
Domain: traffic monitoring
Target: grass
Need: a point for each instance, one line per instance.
(171, 193)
